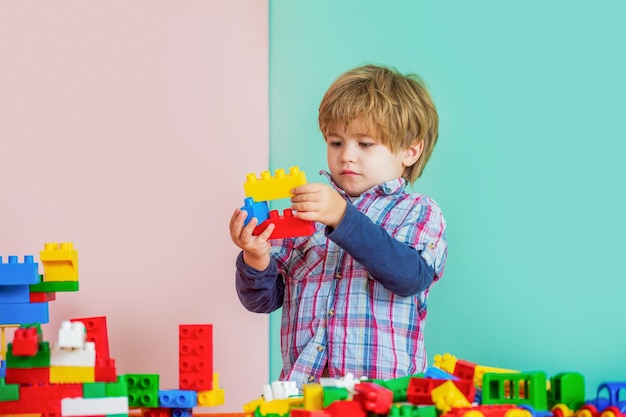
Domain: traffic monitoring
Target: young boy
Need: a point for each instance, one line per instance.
(354, 293)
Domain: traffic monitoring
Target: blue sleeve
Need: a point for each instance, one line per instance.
(259, 291)
(396, 265)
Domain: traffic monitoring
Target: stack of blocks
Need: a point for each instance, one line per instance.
(259, 191)
(77, 376)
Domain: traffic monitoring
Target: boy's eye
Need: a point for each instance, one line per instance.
(365, 144)
(334, 143)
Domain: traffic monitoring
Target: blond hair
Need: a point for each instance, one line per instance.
(396, 107)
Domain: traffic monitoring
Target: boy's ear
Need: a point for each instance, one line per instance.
(413, 153)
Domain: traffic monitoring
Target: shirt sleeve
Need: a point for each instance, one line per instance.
(398, 266)
(259, 291)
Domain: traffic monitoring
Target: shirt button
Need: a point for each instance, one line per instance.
(338, 275)
(431, 245)
(331, 313)
(320, 348)
(311, 378)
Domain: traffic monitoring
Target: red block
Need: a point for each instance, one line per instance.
(28, 376)
(97, 332)
(346, 408)
(464, 370)
(419, 390)
(195, 357)
(156, 412)
(286, 225)
(25, 341)
(105, 370)
(42, 297)
(373, 397)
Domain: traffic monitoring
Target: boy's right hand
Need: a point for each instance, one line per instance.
(256, 249)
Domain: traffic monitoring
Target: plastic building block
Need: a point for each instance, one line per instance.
(313, 396)
(260, 210)
(143, 390)
(299, 412)
(97, 333)
(60, 262)
(94, 406)
(373, 397)
(42, 297)
(516, 388)
(26, 341)
(72, 374)
(72, 335)
(38, 360)
(105, 370)
(346, 408)
(465, 370)
(60, 286)
(175, 398)
(95, 390)
(10, 294)
(156, 412)
(24, 313)
(279, 407)
(332, 394)
(9, 392)
(567, 388)
(16, 273)
(419, 391)
(286, 225)
(437, 373)
(445, 362)
(398, 386)
(28, 375)
(213, 397)
(447, 396)
(84, 357)
(279, 390)
(196, 357)
(481, 370)
(404, 410)
(275, 187)
(117, 389)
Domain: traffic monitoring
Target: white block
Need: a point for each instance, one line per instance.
(72, 334)
(93, 406)
(74, 357)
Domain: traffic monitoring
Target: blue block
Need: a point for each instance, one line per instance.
(260, 210)
(176, 398)
(3, 369)
(24, 313)
(10, 294)
(15, 273)
(437, 373)
(182, 412)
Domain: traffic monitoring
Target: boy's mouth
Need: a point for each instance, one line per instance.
(347, 172)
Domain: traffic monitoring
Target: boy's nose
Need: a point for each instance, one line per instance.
(348, 155)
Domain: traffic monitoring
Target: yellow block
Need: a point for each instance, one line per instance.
(60, 262)
(280, 407)
(72, 374)
(214, 397)
(275, 187)
(313, 396)
(480, 371)
(445, 362)
(447, 396)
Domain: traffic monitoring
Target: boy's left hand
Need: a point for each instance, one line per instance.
(318, 202)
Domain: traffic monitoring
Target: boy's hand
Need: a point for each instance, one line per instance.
(318, 202)
(256, 249)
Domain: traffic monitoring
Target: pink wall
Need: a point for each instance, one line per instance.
(128, 129)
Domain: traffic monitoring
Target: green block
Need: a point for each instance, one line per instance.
(117, 389)
(94, 390)
(527, 388)
(143, 390)
(412, 411)
(9, 392)
(55, 286)
(40, 360)
(332, 394)
(399, 386)
(567, 388)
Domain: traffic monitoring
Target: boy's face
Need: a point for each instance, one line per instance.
(358, 161)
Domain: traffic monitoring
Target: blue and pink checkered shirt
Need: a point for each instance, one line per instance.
(363, 317)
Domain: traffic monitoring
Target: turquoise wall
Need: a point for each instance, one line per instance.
(528, 169)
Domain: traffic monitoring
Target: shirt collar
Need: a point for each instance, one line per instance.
(394, 186)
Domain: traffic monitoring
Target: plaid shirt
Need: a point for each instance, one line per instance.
(335, 313)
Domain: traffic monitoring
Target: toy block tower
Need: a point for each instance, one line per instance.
(196, 357)
(260, 190)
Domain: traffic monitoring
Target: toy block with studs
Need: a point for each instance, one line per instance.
(286, 225)
(60, 262)
(268, 187)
